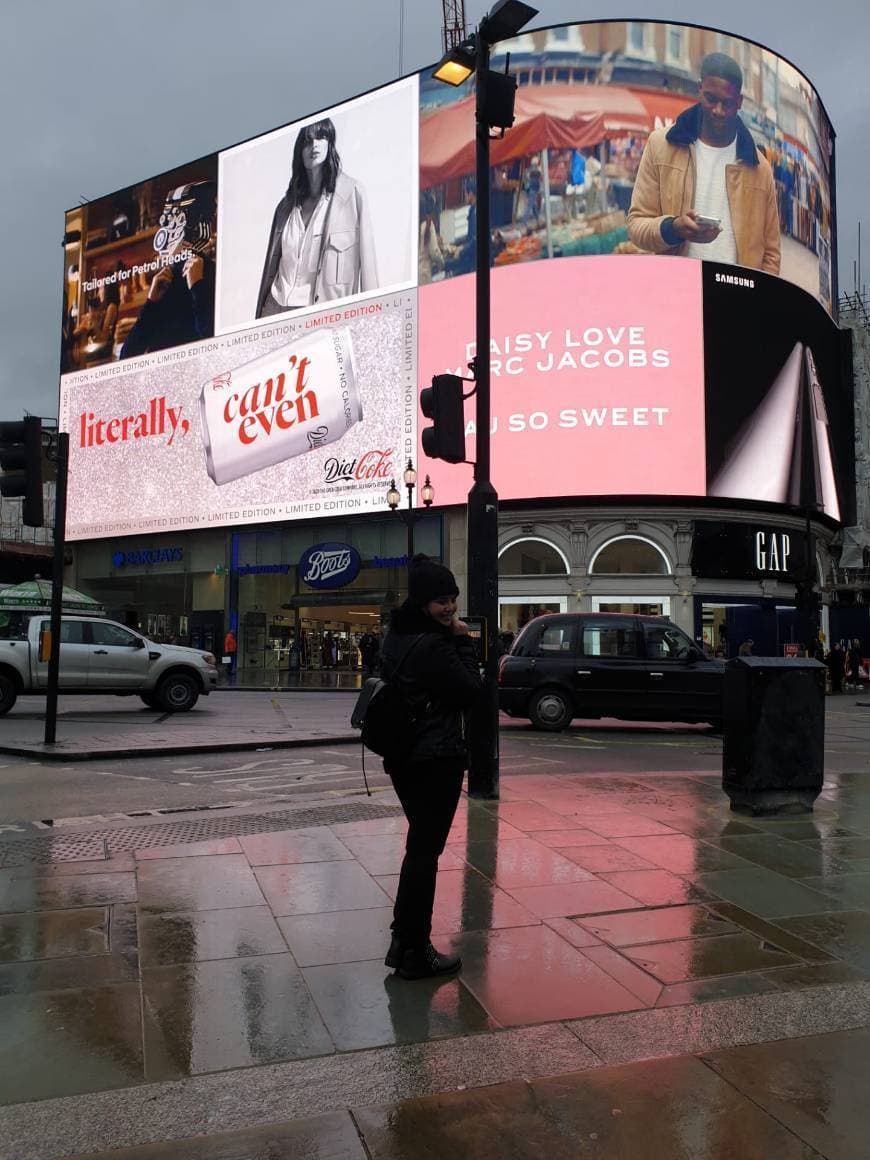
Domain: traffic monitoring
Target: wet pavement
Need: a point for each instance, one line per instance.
(225, 721)
(218, 986)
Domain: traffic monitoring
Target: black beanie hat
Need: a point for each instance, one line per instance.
(428, 580)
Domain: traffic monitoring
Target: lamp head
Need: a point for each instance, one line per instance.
(427, 493)
(410, 475)
(505, 19)
(457, 65)
(393, 496)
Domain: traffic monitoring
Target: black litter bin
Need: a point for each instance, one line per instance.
(773, 755)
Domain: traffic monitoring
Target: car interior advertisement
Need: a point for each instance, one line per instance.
(597, 388)
(779, 419)
(292, 419)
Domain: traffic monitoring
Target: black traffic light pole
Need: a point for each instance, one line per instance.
(483, 774)
(57, 587)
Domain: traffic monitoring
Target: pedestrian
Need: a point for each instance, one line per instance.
(430, 655)
(745, 649)
(855, 662)
(836, 662)
(229, 655)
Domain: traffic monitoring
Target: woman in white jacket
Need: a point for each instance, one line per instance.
(320, 245)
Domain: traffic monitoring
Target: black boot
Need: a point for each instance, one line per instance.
(427, 963)
(394, 954)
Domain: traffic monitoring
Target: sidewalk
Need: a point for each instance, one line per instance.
(228, 720)
(152, 992)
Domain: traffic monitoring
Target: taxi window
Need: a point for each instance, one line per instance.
(665, 643)
(613, 641)
(557, 640)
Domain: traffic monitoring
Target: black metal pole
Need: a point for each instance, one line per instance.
(410, 522)
(483, 774)
(57, 587)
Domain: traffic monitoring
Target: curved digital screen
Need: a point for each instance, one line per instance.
(245, 337)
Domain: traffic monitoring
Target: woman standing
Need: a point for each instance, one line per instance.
(320, 245)
(430, 656)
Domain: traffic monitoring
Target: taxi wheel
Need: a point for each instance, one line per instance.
(551, 710)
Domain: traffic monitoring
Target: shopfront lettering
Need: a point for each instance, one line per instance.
(144, 556)
(329, 565)
(772, 551)
(263, 569)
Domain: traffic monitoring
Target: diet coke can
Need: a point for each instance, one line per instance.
(294, 399)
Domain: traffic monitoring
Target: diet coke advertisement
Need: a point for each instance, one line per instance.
(296, 418)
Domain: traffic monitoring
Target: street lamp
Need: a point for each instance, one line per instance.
(394, 497)
(493, 109)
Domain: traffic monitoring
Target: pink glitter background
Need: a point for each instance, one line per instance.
(150, 484)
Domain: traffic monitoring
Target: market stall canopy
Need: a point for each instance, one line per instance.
(36, 594)
(573, 116)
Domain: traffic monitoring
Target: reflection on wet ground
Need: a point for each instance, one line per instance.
(573, 897)
(792, 1099)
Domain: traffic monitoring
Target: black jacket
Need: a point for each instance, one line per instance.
(439, 678)
(180, 317)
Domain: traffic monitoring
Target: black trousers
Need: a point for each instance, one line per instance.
(429, 792)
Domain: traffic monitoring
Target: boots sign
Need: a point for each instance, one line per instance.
(747, 552)
(329, 565)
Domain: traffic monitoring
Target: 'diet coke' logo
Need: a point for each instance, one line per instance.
(329, 565)
(370, 465)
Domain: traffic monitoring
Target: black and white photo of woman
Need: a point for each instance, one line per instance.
(321, 244)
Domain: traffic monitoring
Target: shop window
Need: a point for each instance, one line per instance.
(639, 41)
(532, 558)
(630, 555)
(677, 44)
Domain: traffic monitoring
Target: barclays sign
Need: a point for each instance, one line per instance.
(329, 565)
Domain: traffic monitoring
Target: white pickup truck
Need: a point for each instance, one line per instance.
(102, 656)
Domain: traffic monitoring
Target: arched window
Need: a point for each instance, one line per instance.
(531, 557)
(632, 555)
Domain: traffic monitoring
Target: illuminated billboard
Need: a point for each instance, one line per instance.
(244, 337)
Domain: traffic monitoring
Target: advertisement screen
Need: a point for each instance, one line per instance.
(638, 138)
(244, 337)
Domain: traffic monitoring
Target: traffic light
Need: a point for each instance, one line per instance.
(21, 465)
(443, 404)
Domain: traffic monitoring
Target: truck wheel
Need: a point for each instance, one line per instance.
(8, 693)
(551, 710)
(150, 700)
(177, 693)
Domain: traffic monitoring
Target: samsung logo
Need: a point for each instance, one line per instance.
(736, 280)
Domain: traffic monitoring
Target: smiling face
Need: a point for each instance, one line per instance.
(442, 609)
(720, 103)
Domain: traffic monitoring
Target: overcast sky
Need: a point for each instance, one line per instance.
(103, 93)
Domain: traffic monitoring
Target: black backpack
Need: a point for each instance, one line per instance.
(384, 715)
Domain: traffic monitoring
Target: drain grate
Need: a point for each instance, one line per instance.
(97, 844)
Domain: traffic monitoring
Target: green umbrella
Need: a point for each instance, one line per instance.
(36, 594)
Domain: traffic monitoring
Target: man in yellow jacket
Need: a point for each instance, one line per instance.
(703, 189)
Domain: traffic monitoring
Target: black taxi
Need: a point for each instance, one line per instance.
(605, 664)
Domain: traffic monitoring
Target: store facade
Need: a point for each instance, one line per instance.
(296, 597)
(723, 575)
(303, 596)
